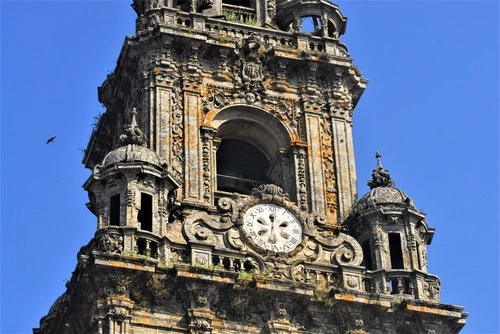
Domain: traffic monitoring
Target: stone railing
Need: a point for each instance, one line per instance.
(146, 244)
(239, 14)
(241, 25)
(126, 241)
(408, 284)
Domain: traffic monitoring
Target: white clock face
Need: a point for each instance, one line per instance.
(273, 228)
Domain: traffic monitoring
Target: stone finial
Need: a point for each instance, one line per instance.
(132, 133)
(380, 175)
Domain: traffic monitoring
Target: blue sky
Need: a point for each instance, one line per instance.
(431, 108)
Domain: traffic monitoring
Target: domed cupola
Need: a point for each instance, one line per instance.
(394, 236)
(383, 192)
(131, 193)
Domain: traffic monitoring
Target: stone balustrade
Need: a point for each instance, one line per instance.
(240, 24)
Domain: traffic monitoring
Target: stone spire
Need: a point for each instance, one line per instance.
(132, 133)
(380, 175)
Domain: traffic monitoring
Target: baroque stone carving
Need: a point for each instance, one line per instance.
(340, 103)
(380, 176)
(249, 74)
(200, 326)
(132, 133)
(195, 228)
(300, 160)
(271, 9)
(432, 289)
(123, 285)
(110, 243)
(329, 167)
(177, 127)
(277, 267)
(234, 239)
(378, 238)
(207, 135)
(287, 111)
(214, 98)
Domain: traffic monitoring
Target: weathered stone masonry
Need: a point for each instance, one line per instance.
(224, 186)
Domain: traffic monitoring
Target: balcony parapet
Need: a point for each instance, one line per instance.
(237, 24)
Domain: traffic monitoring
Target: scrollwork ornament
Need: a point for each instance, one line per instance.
(234, 239)
(229, 210)
(311, 250)
(195, 229)
(346, 250)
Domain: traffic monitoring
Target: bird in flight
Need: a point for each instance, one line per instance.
(51, 140)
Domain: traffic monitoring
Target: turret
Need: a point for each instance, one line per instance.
(131, 193)
(394, 236)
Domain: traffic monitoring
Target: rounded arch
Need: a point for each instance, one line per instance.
(288, 11)
(255, 126)
(251, 150)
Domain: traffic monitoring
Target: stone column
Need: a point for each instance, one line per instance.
(207, 151)
(343, 151)
(192, 142)
(315, 163)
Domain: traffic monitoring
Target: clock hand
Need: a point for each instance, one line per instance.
(272, 237)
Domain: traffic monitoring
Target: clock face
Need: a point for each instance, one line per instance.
(272, 227)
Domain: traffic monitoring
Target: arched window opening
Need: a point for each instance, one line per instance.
(114, 210)
(367, 255)
(418, 257)
(145, 214)
(311, 25)
(331, 30)
(241, 166)
(396, 251)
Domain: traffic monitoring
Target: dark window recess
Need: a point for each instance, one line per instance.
(396, 251)
(331, 29)
(145, 214)
(241, 166)
(114, 210)
(418, 257)
(367, 255)
(242, 3)
(141, 246)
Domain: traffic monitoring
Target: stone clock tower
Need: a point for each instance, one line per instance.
(224, 187)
